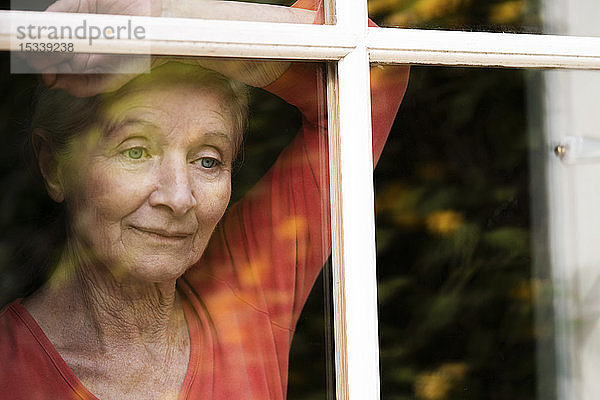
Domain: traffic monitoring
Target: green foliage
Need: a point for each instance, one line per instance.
(453, 232)
(488, 15)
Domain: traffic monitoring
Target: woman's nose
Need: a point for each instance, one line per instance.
(174, 189)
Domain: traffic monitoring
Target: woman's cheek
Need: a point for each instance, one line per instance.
(107, 182)
(106, 193)
(213, 199)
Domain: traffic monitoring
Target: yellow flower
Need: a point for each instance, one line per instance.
(444, 222)
(422, 11)
(507, 12)
(437, 385)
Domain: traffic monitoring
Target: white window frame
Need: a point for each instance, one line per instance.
(350, 45)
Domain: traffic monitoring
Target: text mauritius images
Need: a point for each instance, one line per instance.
(83, 31)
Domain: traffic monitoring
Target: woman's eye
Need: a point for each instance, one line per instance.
(207, 162)
(135, 153)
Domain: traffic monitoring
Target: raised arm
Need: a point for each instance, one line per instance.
(273, 243)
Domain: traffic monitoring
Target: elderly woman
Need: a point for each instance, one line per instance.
(163, 290)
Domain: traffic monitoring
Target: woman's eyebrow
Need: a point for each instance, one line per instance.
(111, 127)
(219, 135)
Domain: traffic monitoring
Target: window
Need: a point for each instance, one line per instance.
(349, 46)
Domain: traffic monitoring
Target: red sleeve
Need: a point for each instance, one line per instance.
(271, 246)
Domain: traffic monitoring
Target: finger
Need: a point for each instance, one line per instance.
(86, 85)
(69, 6)
(42, 61)
(79, 85)
(133, 7)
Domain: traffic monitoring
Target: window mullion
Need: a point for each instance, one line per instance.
(183, 36)
(356, 275)
(416, 46)
(353, 220)
(202, 37)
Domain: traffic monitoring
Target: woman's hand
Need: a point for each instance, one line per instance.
(255, 73)
(85, 75)
(119, 7)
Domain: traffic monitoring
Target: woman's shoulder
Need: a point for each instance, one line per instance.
(31, 367)
(18, 330)
(10, 315)
(16, 342)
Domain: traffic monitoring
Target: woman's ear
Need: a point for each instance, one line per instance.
(48, 164)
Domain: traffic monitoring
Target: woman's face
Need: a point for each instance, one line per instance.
(145, 194)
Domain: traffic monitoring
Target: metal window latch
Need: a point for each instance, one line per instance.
(576, 149)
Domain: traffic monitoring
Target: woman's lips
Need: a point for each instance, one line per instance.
(162, 233)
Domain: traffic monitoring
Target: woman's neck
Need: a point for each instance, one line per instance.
(121, 338)
(107, 312)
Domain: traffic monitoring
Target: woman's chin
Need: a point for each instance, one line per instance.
(133, 264)
(155, 269)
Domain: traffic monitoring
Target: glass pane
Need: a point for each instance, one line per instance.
(562, 17)
(464, 272)
(127, 265)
